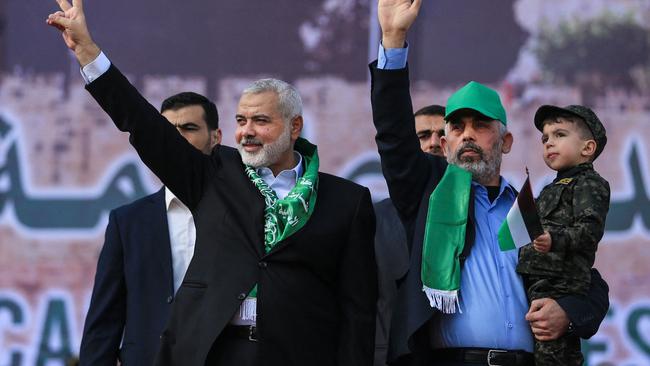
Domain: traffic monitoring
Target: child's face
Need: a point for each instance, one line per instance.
(563, 146)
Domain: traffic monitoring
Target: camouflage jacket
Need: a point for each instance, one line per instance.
(573, 210)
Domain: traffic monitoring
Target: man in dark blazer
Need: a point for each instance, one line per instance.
(316, 289)
(412, 176)
(146, 251)
(391, 248)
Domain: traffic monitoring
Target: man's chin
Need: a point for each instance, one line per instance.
(255, 160)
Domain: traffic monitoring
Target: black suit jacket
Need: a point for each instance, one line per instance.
(316, 290)
(412, 175)
(392, 263)
(133, 287)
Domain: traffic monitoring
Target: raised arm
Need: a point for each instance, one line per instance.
(175, 161)
(406, 168)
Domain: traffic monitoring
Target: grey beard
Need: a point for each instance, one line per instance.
(485, 168)
(269, 154)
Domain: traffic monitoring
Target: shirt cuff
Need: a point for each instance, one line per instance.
(392, 58)
(96, 68)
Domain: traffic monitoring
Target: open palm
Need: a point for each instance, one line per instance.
(397, 16)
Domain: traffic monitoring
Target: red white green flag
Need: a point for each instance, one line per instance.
(522, 225)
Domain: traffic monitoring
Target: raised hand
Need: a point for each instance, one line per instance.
(395, 19)
(71, 21)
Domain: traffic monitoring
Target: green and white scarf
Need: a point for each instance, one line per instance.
(284, 217)
(444, 239)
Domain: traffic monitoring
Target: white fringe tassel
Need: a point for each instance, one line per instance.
(445, 301)
(248, 309)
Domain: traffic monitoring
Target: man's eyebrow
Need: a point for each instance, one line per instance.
(186, 124)
(255, 116)
(260, 116)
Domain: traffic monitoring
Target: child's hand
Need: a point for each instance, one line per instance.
(543, 243)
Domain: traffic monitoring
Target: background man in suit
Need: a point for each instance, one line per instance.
(494, 324)
(284, 270)
(148, 246)
(390, 240)
(430, 127)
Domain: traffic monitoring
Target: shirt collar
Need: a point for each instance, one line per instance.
(504, 186)
(295, 173)
(169, 198)
(573, 171)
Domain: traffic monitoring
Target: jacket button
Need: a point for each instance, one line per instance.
(241, 296)
(169, 299)
(262, 264)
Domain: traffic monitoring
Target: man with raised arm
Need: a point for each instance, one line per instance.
(147, 248)
(461, 301)
(283, 271)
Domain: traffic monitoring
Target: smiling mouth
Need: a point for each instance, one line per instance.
(251, 147)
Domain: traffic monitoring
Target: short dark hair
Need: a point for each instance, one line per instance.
(583, 130)
(431, 110)
(185, 99)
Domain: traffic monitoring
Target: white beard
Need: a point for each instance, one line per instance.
(483, 169)
(269, 153)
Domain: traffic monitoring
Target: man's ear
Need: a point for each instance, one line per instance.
(443, 144)
(589, 148)
(508, 139)
(215, 137)
(296, 127)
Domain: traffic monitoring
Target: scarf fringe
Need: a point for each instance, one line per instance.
(248, 309)
(444, 301)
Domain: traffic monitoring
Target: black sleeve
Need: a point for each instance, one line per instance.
(175, 161)
(405, 166)
(587, 312)
(102, 334)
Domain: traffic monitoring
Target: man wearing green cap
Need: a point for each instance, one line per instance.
(461, 302)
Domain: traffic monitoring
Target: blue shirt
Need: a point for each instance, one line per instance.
(492, 296)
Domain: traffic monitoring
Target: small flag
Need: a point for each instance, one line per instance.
(522, 225)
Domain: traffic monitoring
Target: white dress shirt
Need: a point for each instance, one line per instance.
(182, 236)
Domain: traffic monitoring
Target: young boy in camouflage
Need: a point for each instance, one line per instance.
(572, 210)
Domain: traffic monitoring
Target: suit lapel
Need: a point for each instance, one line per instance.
(157, 211)
(247, 208)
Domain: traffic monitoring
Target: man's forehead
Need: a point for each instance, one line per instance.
(258, 103)
(191, 113)
(430, 121)
(469, 115)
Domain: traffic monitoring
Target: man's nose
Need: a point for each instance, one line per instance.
(469, 134)
(248, 129)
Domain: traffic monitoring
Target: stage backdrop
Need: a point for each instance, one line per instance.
(63, 165)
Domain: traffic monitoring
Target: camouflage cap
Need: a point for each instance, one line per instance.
(591, 120)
